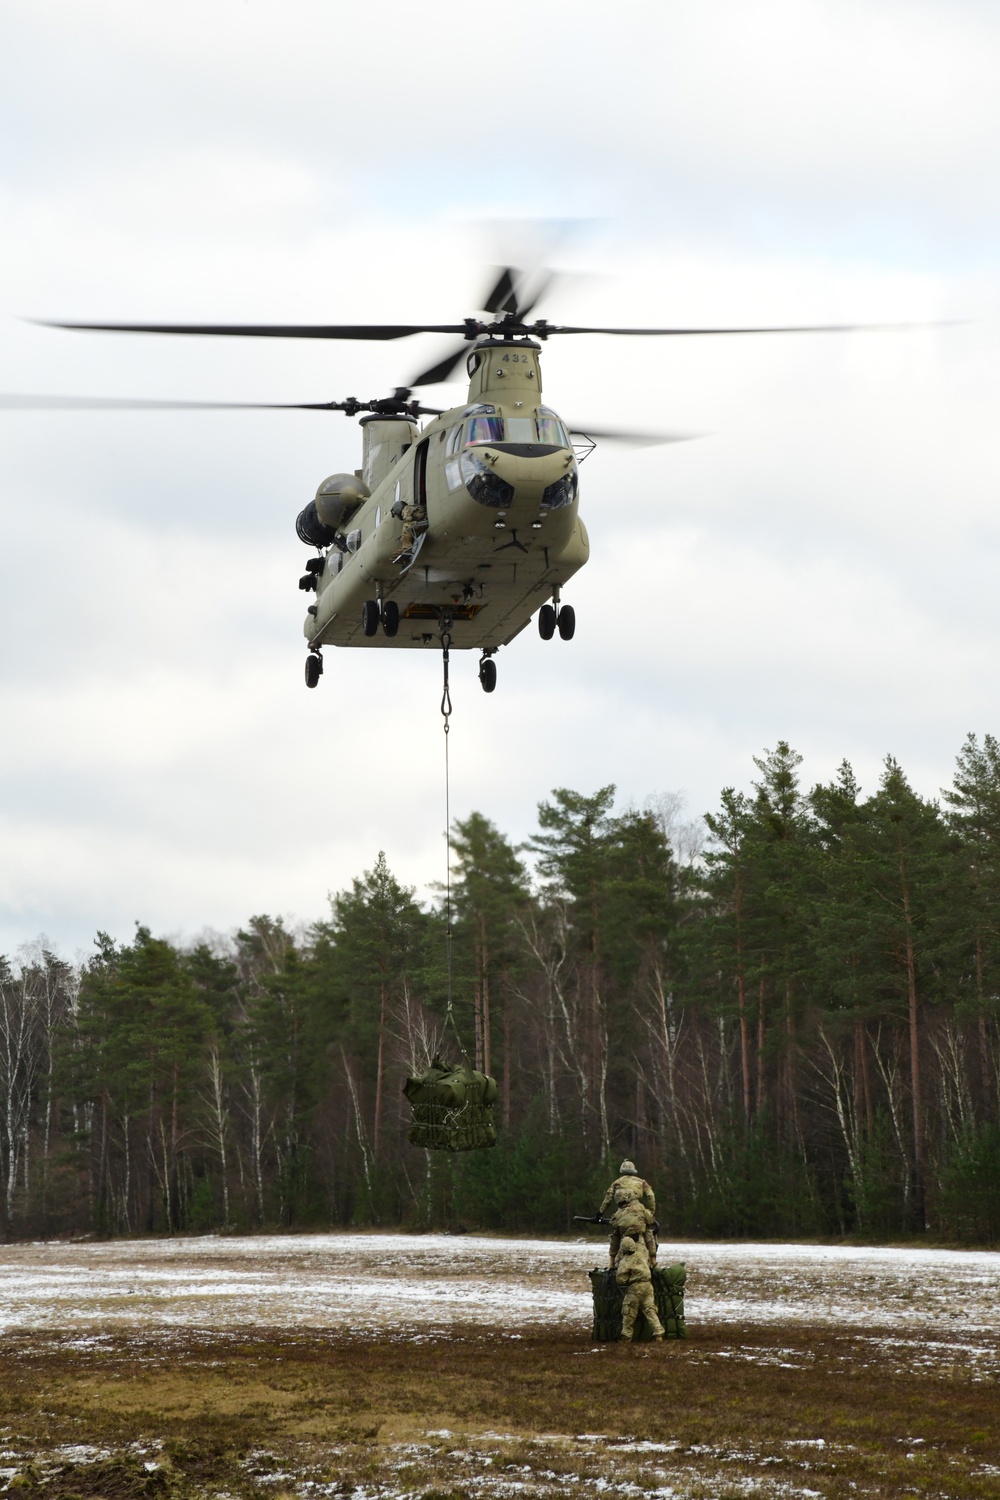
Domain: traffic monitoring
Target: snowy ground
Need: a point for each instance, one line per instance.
(414, 1284)
(810, 1373)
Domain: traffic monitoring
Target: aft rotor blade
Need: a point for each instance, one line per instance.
(140, 403)
(378, 332)
(16, 402)
(632, 439)
(442, 371)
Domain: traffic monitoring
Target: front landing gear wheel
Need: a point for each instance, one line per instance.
(390, 617)
(488, 674)
(566, 621)
(546, 622)
(370, 617)
(314, 669)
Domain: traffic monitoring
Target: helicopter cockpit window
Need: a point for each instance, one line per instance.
(454, 440)
(521, 430)
(484, 430)
(550, 429)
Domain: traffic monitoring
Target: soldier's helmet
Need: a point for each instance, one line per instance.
(627, 1244)
(627, 1168)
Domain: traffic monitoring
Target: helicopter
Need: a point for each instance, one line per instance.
(454, 533)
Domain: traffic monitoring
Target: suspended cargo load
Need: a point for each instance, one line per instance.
(668, 1290)
(452, 1108)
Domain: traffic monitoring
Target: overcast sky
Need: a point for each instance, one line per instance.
(822, 566)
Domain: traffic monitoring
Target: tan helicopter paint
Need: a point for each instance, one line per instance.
(490, 568)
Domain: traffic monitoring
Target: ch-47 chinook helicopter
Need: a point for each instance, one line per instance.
(461, 529)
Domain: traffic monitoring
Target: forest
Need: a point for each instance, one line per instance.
(786, 1014)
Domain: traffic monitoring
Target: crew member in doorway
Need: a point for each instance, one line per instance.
(414, 519)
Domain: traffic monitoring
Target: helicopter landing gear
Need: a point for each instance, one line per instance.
(390, 617)
(555, 616)
(370, 617)
(314, 669)
(487, 674)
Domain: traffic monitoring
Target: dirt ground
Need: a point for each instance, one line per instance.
(742, 1407)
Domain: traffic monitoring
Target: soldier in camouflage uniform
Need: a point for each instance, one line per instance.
(632, 1272)
(414, 519)
(634, 1205)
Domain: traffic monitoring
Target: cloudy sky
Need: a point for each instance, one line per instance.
(822, 566)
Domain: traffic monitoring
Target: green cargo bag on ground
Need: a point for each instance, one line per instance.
(668, 1291)
(452, 1108)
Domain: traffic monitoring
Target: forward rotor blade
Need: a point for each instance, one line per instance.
(632, 439)
(512, 286)
(539, 288)
(549, 328)
(379, 332)
(442, 371)
(501, 298)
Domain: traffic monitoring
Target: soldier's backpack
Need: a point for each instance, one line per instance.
(452, 1108)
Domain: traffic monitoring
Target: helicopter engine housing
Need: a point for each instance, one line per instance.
(385, 440)
(339, 497)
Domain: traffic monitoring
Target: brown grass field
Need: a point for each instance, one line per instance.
(733, 1411)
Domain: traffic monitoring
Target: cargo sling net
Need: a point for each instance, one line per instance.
(668, 1290)
(452, 1108)
(452, 1105)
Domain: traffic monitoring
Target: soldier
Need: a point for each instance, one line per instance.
(414, 519)
(627, 1190)
(632, 1272)
(634, 1220)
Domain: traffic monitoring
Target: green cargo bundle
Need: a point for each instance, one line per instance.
(452, 1108)
(668, 1290)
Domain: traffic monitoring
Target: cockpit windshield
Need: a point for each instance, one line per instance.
(484, 430)
(550, 429)
(483, 425)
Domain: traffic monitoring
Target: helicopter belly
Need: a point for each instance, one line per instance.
(489, 578)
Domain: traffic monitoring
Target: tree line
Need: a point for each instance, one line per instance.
(787, 1015)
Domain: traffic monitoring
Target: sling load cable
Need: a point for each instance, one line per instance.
(452, 1107)
(446, 715)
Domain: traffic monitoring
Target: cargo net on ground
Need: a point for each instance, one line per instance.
(668, 1291)
(452, 1108)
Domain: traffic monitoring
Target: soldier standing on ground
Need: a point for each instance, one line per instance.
(629, 1195)
(632, 1272)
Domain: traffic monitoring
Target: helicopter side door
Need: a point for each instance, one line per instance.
(420, 475)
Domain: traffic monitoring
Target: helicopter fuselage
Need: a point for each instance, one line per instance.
(493, 485)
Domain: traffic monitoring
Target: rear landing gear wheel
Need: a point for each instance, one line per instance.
(546, 622)
(390, 617)
(488, 674)
(314, 669)
(567, 622)
(369, 617)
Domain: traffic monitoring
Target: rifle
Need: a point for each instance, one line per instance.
(592, 1219)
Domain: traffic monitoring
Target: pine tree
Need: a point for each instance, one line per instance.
(489, 888)
(974, 802)
(908, 870)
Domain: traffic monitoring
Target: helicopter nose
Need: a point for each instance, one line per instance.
(530, 468)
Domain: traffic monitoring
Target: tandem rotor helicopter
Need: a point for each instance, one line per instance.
(458, 531)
